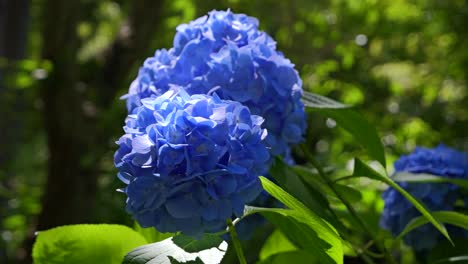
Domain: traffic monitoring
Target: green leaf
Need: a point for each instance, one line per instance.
(303, 226)
(276, 243)
(76, 244)
(292, 183)
(424, 177)
(167, 252)
(191, 245)
(286, 198)
(151, 234)
(350, 120)
(303, 231)
(449, 217)
(350, 194)
(314, 181)
(362, 170)
(297, 256)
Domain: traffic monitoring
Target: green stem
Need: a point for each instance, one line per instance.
(236, 242)
(350, 208)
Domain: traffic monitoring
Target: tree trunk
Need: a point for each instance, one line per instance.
(14, 20)
(70, 189)
(75, 141)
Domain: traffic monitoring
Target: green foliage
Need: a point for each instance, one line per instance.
(362, 170)
(312, 197)
(74, 244)
(151, 234)
(302, 226)
(298, 256)
(276, 243)
(448, 217)
(364, 132)
(191, 245)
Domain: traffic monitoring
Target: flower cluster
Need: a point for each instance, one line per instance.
(226, 53)
(196, 135)
(398, 212)
(190, 162)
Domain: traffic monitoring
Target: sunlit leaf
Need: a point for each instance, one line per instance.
(151, 234)
(298, 256)
(276, 243)
(302, 226)
(77, 244)
(208, 250)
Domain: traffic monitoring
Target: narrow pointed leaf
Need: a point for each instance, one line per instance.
(305, 233)
(448, 217)
(302, 226)
(363, 170)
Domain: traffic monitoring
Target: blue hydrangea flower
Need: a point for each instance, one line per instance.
(190, 162)
(442, 161)
(227, 53)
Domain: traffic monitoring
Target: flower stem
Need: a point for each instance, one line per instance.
(236, 242)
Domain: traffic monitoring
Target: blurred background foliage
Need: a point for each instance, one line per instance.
(64, 65)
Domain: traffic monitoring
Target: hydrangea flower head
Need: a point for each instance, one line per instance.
(227, 53)
(398, 212)
(190, 162)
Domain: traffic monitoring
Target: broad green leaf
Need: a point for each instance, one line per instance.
(424, 177)
(167, 252)
(297, 256)
(276, 243)
(362, 170)
(151, 234)
(449, 217)
(77, 244)
(350, 120)
(303, 220)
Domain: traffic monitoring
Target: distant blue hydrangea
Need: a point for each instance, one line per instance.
(441, 161)
(190, 162)
(227, 53)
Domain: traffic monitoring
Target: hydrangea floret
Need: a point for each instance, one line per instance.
(190, 162)
(398, 212)
(227, 53)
